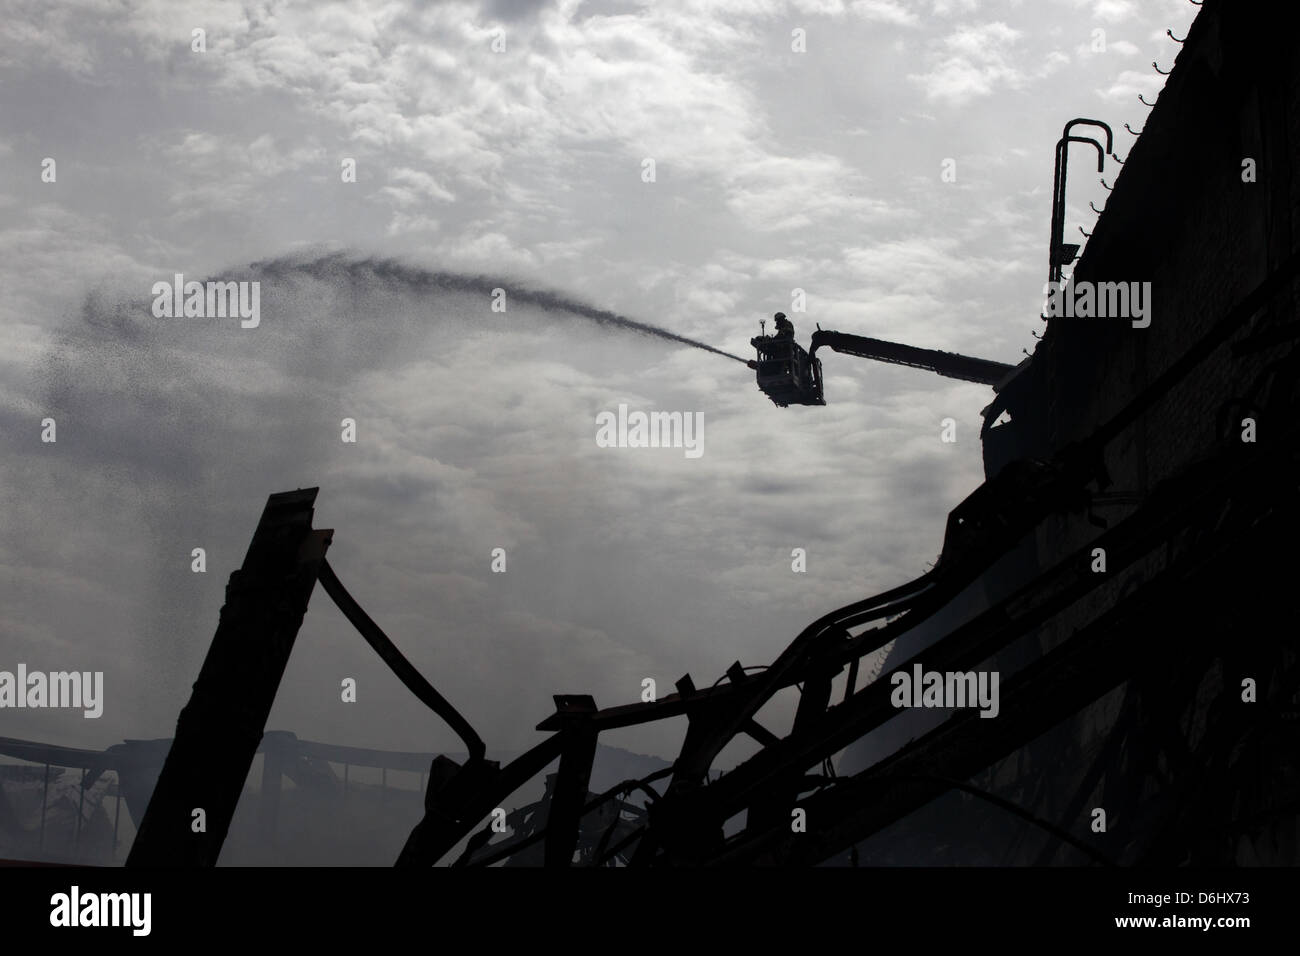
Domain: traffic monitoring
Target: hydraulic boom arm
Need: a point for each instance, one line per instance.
(950, 364)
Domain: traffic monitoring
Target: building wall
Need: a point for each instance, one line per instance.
(1181, 217)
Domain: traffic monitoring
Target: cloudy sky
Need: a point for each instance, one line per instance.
(508, 140)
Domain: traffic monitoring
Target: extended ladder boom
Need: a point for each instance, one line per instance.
(950, 364)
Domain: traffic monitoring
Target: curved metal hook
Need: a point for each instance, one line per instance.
(1144, 102)
(1101, 154)
(1083, 121)
(1170, 34)
(1117, 159)
(1160, 71)
(1086, 235)
(1094, 208)
(1057, 248)
(1135, 132)
(1108, 189)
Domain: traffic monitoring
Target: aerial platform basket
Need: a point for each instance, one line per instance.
(785, 372)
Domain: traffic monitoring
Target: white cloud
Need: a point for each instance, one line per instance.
(1126, 87)
(884, 11)
(971, 62)
(412, 186)
(1114, 11)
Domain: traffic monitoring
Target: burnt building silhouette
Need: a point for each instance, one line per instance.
(1193, 755)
